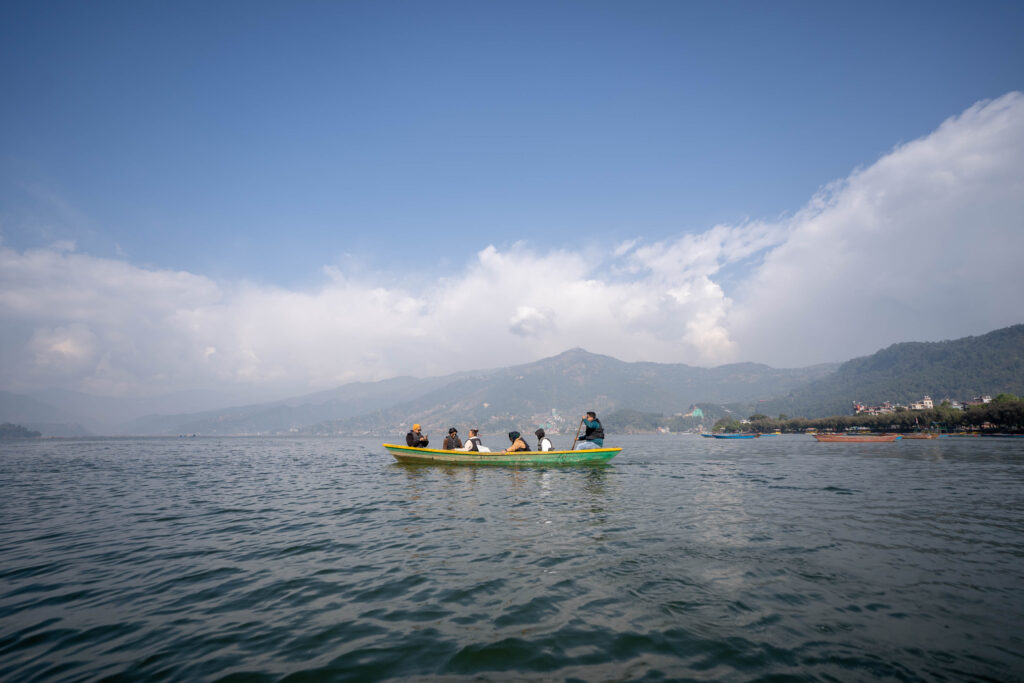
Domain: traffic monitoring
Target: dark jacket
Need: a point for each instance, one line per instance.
(595, 432)
(416, 439)
(518, 445)
(452, 441)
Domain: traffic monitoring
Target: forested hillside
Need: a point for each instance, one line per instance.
(960, 369)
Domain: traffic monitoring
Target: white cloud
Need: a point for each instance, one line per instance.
(922, 244)
(925, 244)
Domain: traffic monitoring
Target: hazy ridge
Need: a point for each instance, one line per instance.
(571, 382)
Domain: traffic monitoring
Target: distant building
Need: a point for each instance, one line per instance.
(924, 404)
(861, 409)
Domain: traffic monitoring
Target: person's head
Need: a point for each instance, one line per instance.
(591, 414)
(474, 432)
(539, 433)
(415, 428)
(453, 430)
(512, 436)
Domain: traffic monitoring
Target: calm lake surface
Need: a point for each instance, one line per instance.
(685, 558)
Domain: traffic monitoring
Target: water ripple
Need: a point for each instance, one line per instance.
(320, 559)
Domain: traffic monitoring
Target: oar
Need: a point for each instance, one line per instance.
(577, 435)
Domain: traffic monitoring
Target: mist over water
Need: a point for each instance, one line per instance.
(685, 558)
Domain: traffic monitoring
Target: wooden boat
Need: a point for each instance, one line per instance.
(589, 456)
(920, 435)
(857, 437)
(735, 436)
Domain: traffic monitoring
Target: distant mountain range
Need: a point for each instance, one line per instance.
(555, 391)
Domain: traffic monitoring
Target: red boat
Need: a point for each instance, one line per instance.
(857, 437)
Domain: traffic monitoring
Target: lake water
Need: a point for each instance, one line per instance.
(685, 558)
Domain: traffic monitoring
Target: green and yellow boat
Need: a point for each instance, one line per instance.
(590, 456)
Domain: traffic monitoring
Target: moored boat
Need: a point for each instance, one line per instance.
(588, 456)
(857, 437)
(735, 436)
(921, 435)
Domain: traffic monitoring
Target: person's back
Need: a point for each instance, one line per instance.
(543, 442)
(518, 444)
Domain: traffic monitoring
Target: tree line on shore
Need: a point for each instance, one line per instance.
(9, 430)
(1004, 414)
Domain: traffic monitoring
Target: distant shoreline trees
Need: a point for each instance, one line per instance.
(1004, 414)
(9, 430)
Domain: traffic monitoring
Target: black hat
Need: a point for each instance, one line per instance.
(512, 436)
(539, 433)
(453, 430)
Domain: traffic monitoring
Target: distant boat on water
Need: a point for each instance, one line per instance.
(857, 437)
(735, 436)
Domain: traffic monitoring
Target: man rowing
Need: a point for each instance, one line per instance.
(593, 437)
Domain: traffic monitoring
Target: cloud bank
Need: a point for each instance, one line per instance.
(923, 244)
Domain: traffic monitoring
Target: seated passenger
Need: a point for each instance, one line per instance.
(452, 441)
(543, 442)
(415, 439)
(473, 443)
(517, 443)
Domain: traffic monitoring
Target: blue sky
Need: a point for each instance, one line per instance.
(262, 140)
(289, 147)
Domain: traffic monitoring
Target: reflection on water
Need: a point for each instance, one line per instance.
(683, 558)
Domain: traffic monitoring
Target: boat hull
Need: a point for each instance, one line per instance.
(736, 436)
(844, 438)
(433, 456)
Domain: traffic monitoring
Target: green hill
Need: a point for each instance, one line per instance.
(960, 369)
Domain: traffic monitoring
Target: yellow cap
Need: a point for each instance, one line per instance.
(416, 426)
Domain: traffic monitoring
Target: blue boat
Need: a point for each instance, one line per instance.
(735, 436)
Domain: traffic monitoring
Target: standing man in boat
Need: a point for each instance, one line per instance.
(452, 441)
(415, 439)
(594, 436)
(543, 442)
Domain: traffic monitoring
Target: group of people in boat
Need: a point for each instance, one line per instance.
(593, 437)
